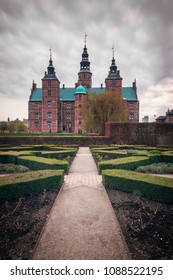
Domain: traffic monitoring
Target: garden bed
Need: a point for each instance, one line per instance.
(146, 225)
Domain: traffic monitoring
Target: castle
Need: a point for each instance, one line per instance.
(54, 109)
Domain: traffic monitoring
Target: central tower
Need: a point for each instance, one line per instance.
(85, 75)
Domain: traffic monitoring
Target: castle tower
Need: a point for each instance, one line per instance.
(80, 95)
(114, 81)
(85, 75)
(50, 99)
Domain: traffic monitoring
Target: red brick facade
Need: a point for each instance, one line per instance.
(54, 109)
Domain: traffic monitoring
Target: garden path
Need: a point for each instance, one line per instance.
(82, 224)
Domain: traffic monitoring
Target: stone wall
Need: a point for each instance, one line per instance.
(152, 134)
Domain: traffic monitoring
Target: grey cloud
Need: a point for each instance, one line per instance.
(142, 32)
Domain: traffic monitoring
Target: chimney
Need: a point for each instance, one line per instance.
(63, 86)
(134, 84)
(34, 86)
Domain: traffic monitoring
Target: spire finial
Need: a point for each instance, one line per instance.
(50, 53)
(85, 39)
(113, 51)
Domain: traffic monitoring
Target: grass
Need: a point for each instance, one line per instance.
(43, 134)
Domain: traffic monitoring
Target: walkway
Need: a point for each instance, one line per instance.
(82, 224)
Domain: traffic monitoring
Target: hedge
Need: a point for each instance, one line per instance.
(127, 163)
(35, 147)
(57, 154)
(167, 157)
(40, 163)
(152, 187)
(33, 162)
(17, 185)
(108, 153)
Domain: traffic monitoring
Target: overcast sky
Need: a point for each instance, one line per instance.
(141, 30)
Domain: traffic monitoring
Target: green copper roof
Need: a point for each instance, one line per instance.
(129, 94)
(67, 94)
(80, 90)
(36, 95)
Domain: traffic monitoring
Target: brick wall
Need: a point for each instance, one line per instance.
(151, 134)
(35, 116)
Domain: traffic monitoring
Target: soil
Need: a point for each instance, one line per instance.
(21, 222)
(147, 225)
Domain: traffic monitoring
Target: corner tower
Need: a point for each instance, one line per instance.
(50, 99)
(85, 75)
(114, 81)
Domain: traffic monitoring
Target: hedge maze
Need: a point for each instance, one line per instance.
(117, 165)
(47, 165)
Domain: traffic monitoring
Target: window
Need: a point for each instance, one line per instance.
(131, 116)
(36, 105)
(113, 83)
(36, 115)
(68, 106)
(131, 105)
(49, 103)
(49, 83)
(80, 122)
(36, 124)
(68, 116)
(49, 115)
(49, 124)
(49, 92)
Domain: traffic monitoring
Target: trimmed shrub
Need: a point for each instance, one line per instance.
(152, 187)
(17, 185)
(167, 157)
(40, 163)
(106, 154)
(57, 154)
(128, 163)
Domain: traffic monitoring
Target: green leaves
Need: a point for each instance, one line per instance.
(102, 108)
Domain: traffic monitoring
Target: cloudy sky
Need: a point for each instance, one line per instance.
(142, 32)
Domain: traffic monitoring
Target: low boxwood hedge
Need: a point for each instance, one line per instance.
(109, 154)
(127, 163)
(33, 162)
(17, 185)
(167, 157)
(57, 154)
(152, 187)
(40, 163)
